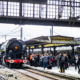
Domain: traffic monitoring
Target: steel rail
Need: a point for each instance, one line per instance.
(27, 75)
(3, 77)
(42, 74)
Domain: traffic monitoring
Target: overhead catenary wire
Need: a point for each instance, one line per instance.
(14, 35)
(15, 32)
(11, 35)
(15, 28)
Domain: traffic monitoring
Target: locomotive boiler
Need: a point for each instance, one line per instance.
(13, 53)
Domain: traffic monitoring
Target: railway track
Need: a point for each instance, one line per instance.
(29, 73)
(26, 75)
(59, 76)
(43, 74)
(3, 77)
(50, 76)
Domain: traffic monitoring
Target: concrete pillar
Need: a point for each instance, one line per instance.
(42, 50)
(72, 55)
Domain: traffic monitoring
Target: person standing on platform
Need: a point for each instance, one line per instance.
(69, 57)
(58, 57)
(76, 61)
(79, 65)
(38, 58)
(66, 61)
(40, 61)
(55, 60)
(51, 59)
(35, 60)
(45, 60)
(62, 63)
(28, 59)
(31, 60)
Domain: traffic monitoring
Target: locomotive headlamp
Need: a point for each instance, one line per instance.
(25, 57)
(9, 57)
(16, 47)
(24, 61)
(11, 61)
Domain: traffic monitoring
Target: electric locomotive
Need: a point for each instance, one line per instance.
(13, 53)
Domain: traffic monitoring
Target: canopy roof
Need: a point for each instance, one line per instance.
(50, 41)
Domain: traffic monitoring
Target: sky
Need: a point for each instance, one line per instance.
(33, 31)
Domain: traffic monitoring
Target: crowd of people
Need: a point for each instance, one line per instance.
(61, 60)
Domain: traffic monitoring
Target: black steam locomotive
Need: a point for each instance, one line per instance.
(13, 53)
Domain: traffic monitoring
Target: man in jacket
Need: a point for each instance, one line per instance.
(45, 60)
(62, 63)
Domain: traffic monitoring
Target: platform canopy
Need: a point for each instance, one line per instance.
(51, 41)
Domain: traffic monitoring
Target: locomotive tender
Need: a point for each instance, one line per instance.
(13, 53)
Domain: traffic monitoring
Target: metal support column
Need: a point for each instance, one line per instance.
(2, 7)
(29, 51)
(33, 10)
(54, 51)
(46, 10)
(7, 9)
(50, 49)
(72, 52)
(26, 50)
(40, 11)
(32, 50)
(42, 51)
(5, 37)
(52, 33)
(52, 30)
(21, 33)
(20, 9)
(73, 8)
(70, 9)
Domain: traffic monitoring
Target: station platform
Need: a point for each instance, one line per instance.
(69, 73)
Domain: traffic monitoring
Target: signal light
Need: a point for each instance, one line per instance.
(16, 47)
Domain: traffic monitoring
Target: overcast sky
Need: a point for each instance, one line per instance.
(32, 31)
